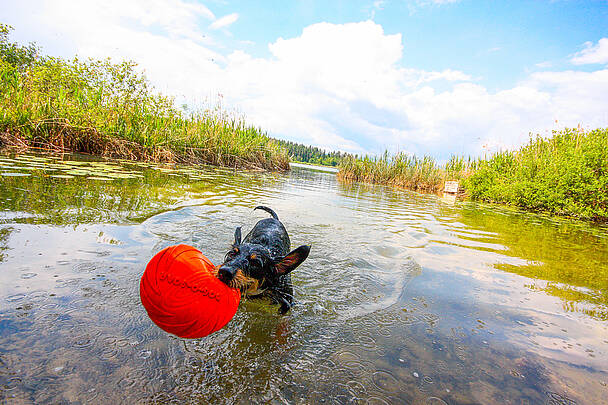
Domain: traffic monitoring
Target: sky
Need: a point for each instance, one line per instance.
(426, 77)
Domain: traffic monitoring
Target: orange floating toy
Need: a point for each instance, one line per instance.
(182, 295)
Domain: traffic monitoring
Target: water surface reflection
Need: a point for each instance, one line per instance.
(406, 298)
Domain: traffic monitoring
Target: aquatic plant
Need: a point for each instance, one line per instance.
(401, 170)
(110, 109)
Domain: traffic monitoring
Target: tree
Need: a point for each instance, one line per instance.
(12, 53)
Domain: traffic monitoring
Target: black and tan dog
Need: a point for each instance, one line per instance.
(260, 264)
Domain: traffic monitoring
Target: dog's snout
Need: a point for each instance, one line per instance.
(226, 274)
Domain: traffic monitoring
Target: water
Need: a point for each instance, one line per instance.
(405, 298)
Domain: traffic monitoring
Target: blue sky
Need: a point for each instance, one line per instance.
(423, 76)
(497, 42)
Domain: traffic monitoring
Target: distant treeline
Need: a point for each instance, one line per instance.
(311, 154)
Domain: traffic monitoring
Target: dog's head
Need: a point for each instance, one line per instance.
(248, 266)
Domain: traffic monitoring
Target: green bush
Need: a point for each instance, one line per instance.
(566, 174)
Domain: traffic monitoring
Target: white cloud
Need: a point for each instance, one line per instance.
(338, 86)
(224, 21)
(339, 82)
(544, 65)
(176, 17)
(592, 53)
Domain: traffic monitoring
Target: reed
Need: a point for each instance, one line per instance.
(109, 109)
(565, 174)
(401, 170)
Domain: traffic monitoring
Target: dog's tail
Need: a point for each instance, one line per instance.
(268, 210)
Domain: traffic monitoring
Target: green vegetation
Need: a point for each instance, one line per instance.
(566, 174)
(313, 155)
(401, 170)
(110, 109)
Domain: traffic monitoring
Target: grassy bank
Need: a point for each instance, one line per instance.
(110, 109)
(566, 174)
(400, 170)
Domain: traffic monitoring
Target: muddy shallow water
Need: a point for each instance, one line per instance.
(405, 298)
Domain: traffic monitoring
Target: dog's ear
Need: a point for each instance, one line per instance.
(292, 260)
(237, 236)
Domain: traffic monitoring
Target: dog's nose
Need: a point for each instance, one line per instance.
(226, 274)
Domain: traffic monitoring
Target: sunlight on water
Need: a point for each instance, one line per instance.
(405, 298)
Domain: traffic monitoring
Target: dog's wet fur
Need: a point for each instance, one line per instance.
(260, 264)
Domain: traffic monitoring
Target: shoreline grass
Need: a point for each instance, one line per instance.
(565, 174)
(401, 170)
(109, 109)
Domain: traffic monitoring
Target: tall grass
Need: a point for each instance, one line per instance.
(565, 174)
(401, 170)
(106, 108)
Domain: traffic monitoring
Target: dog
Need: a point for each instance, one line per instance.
(260, 264)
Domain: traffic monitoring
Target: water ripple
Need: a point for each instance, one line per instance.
(405, 298)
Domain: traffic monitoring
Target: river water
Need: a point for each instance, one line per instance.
(405, 298)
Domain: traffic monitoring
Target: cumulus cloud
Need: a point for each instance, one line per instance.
(337, 86)
(343, 86)
(347, 82)
(592, 53)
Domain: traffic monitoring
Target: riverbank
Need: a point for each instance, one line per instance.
(565, 174)
(109, 109)
(402, 170)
